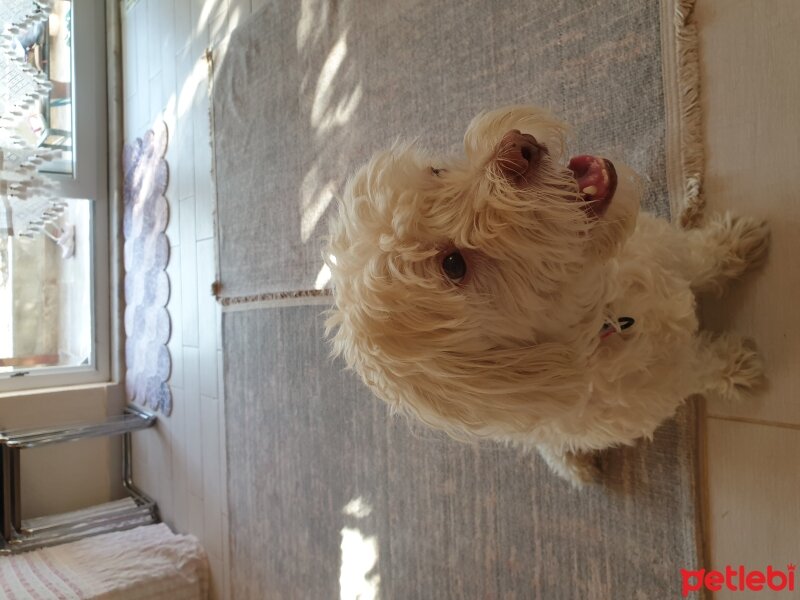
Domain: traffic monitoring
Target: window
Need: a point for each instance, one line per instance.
(54, 286)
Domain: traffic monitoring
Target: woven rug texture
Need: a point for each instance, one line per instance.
(329, 495)
(300, 100)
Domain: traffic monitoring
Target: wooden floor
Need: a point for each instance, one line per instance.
(750, 88)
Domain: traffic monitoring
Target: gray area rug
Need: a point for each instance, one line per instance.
(306, 92)
(330, 496)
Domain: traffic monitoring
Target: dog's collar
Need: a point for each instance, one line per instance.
(609, 329)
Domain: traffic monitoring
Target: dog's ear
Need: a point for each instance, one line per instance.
(511, 389)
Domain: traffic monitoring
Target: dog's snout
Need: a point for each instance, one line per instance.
(518, 155)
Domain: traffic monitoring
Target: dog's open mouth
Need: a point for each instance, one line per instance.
(597, 182)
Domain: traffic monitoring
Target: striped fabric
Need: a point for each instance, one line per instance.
(146, 563)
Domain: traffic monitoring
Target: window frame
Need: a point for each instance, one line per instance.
(88, 181)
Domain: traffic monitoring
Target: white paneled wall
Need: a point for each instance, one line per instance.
(181, 462)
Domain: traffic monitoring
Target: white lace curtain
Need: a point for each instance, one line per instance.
(27, 201)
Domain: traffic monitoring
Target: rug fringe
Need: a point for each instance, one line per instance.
(297, 297)
(216, 287)
(692, 151)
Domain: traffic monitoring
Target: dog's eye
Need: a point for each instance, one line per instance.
(436, 171)
(454, 266)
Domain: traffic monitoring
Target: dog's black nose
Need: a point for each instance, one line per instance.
(518, 155)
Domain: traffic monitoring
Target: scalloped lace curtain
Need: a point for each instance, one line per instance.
(27, 201)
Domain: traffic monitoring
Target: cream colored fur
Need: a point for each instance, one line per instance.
(513, 352)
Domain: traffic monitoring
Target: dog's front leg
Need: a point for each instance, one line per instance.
(577, 468)
(722, 250)
(728, 366)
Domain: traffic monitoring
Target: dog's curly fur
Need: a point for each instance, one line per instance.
(513, 351)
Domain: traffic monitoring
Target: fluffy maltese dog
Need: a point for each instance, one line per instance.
(510, 296)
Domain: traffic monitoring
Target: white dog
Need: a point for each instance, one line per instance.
(509, 296)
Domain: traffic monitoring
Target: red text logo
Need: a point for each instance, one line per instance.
(738, 580)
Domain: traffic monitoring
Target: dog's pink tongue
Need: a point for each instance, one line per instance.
(597, 181)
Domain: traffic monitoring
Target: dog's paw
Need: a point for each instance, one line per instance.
(744, 243)
(583, 469)
(742, 368)
(749, 241)
(578, 468)
(745, 372)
